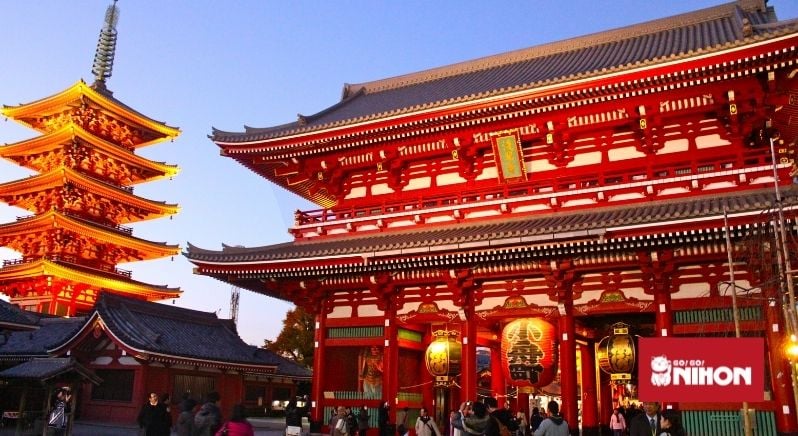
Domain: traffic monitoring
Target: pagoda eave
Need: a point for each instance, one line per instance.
(13, 277)
(71, 96)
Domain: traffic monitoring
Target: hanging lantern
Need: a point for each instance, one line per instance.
(529, 352)
(443, 357)
(616, 354)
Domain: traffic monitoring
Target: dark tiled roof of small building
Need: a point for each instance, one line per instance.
(12, 316)
(654, 42)
(574, 222)
(43, 369)
(175, 331)
(51, 333)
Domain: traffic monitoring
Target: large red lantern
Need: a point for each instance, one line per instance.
(529, 352)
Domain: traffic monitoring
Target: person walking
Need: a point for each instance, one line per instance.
(671, 424)
(58, 418)
(293, 419)
(338, 425)
(554, 424)
(384, 419)
(209, 418)
(185, 421)
(237, 425)
(647, 423)
(363, 421)
(153, 418)
(535, 419)
(401, 422)
(617, 422)
(425, 425)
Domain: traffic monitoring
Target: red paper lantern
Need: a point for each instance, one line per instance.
(529, 352)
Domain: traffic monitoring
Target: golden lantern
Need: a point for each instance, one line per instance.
(529, 352)
(443, 357)
(616, 354)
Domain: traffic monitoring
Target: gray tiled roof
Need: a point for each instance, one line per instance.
(13, 316)
(51, 333)
(584, 220)
(175, 331)
(42, 369)
(654, 42)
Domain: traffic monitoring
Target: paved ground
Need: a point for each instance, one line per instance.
(263, 427)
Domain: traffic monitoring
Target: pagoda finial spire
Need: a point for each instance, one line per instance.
(106, 47)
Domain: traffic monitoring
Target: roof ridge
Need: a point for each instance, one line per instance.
(558, 47)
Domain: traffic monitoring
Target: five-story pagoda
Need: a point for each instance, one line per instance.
(82, 195)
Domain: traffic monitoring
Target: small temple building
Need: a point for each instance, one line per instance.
(82, 197)
(114, 356)
(540, 204)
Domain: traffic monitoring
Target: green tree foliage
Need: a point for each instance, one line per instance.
(295, 341)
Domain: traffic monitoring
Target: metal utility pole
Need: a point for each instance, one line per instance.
(785, 270)
(747, 428)
(235, 294)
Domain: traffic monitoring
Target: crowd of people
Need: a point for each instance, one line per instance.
(155, 418)
(486, 418)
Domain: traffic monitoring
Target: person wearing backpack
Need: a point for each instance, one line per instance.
(502, 422)
(209, 418)
(425, 425)
(554, 424)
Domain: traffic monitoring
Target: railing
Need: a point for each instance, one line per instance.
(727, 422)
(70, 259)
(614, 175)
(117, 227)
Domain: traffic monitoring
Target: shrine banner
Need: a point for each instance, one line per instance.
(509, 156)
(701, 370)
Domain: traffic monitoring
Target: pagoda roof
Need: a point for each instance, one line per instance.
(99, 279)
(54, 219)
(658, 42)
(496, 234)
(73, 96)
(174, 334)
(56, 139)
(60, 176)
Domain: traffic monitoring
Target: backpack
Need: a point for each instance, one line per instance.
(503, 429)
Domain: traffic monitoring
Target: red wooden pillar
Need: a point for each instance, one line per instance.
(662, 307)
(664, 324)
(522, 404)
(428, 388)
(468, 365)
(569, 408)
(390, 386)
(497, 384)
(590, 421)
(317, 391)
(606, 404)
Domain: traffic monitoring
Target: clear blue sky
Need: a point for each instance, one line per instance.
(200, 64)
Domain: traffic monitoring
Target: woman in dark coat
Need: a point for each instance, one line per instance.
(384, 419)
(154, 419)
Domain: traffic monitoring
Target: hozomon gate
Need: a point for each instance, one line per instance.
(581, 183)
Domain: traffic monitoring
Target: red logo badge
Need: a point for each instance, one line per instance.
(701, 369)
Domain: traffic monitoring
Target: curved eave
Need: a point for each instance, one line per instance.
(63, 175)
(74, 93)
(52, 219)
(300, 187)
(55, 140)
(281, 140)
(144, 354)
(43, 267)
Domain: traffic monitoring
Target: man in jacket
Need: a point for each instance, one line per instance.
(499, 418)
(554, 424)
(646, 424)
